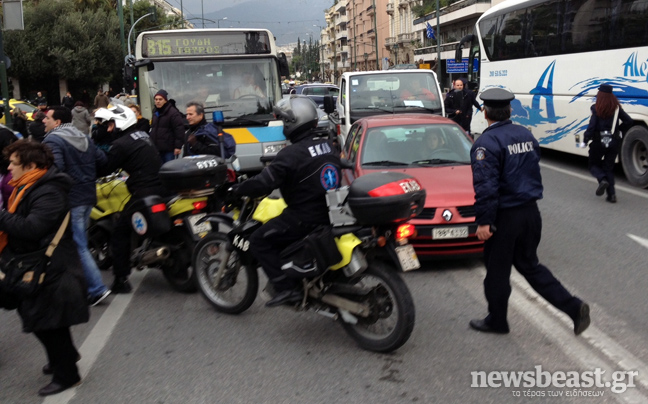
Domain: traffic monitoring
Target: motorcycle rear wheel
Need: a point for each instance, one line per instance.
(178, 271)
(99, 246)
(237, 290)
(392, 316)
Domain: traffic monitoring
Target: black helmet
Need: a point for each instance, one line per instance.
(298, 114)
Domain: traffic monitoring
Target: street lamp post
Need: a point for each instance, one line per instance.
(366, 56)
(321, 62)
(219, 20)
(396, 51)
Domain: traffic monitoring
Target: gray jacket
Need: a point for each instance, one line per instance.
(81, 119)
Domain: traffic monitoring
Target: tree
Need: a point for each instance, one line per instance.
(61, 42)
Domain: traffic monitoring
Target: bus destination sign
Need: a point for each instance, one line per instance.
(212, 43)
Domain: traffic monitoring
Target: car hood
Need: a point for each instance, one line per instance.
(444, 186)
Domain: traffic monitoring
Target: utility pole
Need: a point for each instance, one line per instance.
(120, 13)
(355, 51)
(376, 32)
(438, 36)
(132, 15)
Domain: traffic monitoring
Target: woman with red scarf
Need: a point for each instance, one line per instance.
(35, 211)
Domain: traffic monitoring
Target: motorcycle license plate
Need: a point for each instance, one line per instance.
(449, 232)
(203, 227)
(407, 257)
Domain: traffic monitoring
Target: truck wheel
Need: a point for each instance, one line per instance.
(634, 156)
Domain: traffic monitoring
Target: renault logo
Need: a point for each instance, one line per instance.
(447, 215)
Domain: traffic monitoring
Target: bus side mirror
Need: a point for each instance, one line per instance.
(459, 51)
(144, 62)
(329, 104)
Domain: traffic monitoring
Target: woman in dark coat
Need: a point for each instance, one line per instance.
(34, 213)
(602, 156)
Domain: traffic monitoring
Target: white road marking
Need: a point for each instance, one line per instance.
(642, 241)
(592, 349)
(633, 191)
(98, 337)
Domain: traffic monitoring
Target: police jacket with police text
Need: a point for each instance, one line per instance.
(134, 153)
(303, 172)
(506, 170)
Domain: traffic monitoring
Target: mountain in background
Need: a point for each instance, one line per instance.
(286, 19)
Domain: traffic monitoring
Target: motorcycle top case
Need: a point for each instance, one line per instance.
(385, 197)
(149, 216)
(193, 173)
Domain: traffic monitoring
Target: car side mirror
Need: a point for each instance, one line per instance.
(344, 163)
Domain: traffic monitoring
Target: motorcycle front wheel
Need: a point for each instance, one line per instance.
(99, 246)
(236, 290)
(178, 270)
(392, 315)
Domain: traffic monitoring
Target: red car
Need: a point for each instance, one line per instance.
(434, 150)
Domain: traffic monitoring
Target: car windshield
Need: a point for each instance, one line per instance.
(394, 92)
(416, 145)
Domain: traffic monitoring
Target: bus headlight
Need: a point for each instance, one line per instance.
(273, 148)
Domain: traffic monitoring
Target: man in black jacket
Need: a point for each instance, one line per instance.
(167, 128)
(459, 103)
(133, 152)
(303, 172)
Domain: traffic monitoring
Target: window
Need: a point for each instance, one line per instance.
(558, 27)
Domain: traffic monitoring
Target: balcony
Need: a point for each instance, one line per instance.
(390, 41)
(371, 33)
(343, 49)
(371, 11)
(402, 3)
(430, 52)
(340, 5)
(406, 37)
(390, 8)
(341, 34)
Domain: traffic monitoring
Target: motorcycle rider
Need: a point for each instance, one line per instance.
(303, 172)
(132, 151)
(202, 137)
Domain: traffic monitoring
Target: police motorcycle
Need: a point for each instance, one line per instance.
(340, 266)
(166, 229)
(112, 196)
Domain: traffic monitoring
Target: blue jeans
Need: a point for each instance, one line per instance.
(167, 156)
(80, 216)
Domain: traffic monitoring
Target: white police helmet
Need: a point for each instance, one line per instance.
(123, 117)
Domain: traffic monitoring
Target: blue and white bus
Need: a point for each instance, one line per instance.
(235, 71)
(553, 55)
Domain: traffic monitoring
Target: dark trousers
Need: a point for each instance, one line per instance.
(601, 162)
(515, 243)
(61, 354)
(270, 239)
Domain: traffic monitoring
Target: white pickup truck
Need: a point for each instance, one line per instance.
(382, 92)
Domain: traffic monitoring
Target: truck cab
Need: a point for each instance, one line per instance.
(382, 92)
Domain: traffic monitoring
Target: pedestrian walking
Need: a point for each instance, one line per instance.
(507, 182)
(35, 211)
(605, 133)
(101, 100)
(167, 128)
(76, 155)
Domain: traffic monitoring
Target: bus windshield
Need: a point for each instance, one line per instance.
(241, 88)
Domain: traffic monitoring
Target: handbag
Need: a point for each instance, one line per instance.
(606, 136)
(23, 274)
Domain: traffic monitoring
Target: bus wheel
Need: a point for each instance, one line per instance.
(634, 156)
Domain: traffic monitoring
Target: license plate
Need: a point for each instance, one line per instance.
(407, 257)
(449, 232)
(203, 227)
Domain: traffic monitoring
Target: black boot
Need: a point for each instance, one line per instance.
(121, 285)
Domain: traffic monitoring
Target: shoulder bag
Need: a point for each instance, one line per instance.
(23, 274)
(606, 136)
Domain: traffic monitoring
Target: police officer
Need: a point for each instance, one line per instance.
(303, 172)
(507, 182)
(132, 151)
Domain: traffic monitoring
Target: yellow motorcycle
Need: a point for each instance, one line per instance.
(344, 267)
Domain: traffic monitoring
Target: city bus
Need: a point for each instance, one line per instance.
(235, 72)
(553, 55)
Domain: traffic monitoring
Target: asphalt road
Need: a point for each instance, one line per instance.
(158, 346)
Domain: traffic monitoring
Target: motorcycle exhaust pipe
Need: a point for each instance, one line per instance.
(154, 256)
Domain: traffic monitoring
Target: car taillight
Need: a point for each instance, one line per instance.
(337, 127)
(405, 231)
(160, 207)
(200, 205)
